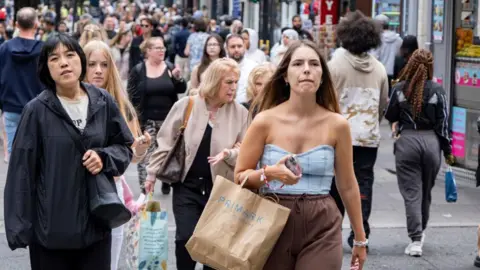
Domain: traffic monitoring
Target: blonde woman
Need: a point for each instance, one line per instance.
(102, 73)
(217, 124)
(258, 78)
(92, 32)
(153, 87)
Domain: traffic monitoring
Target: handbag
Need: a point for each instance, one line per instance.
(171, 170)
(450, 186)
(105, 205)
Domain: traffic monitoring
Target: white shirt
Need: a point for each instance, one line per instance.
(77, 110)
(246, 67)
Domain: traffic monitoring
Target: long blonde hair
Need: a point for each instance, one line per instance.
(266, 69)
(92, 32)
(114, 85)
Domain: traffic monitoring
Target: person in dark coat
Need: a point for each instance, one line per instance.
(409, 45)
(46, 200)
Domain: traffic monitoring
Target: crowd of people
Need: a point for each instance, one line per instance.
(113, 89)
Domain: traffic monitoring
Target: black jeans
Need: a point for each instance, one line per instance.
(96, 256)
(364, 159)
(188, 205)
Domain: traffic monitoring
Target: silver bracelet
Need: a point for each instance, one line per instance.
(360, 243)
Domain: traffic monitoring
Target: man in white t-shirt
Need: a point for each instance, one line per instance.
(236, 51)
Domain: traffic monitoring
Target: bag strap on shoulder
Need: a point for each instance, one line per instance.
(188, 111)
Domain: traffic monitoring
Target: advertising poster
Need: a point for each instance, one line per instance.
(438, 20)
(467, 74)
(459, 127)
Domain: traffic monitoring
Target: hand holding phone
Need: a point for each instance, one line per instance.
(293, 164)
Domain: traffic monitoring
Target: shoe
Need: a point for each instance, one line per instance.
(414, 249)
(477, 262)
(165, 189)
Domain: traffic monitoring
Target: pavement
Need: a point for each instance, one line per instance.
(450, 242)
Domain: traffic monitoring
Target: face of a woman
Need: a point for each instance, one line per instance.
(65, 66)
(304, 71)
(97, 69)
(246, 40)
(213, 47)
(157, 51)
(260, 83)
(286, 39)
(228, 87)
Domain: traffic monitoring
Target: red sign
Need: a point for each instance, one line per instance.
(328, 11)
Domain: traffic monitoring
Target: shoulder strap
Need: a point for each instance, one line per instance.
(75, 137)
(188, 111)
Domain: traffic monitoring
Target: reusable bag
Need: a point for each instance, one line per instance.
(147, 238)
(237, 229)
(450, 186)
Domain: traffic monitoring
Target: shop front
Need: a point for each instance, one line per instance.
(456, 46)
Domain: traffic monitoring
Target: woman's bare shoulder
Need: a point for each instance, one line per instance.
(264, 119)
(338, 121)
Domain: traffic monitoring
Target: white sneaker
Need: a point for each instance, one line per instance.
(414, 249)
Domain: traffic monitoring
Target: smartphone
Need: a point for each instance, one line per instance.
(293, 164)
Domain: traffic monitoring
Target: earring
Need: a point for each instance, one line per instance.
(286, 83)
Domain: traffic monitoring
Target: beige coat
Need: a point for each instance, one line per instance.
(229, 128)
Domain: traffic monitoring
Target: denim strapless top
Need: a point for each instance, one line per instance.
(317, 170)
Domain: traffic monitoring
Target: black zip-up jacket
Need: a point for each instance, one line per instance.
(45, 195)
(434, 115)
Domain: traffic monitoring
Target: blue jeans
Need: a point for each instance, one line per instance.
(11, 121)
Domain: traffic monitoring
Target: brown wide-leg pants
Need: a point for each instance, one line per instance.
(312, 237)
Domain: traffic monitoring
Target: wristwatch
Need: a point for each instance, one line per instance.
(360, 243)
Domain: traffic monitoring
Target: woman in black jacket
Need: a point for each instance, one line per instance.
(153, 88)
(46, 200)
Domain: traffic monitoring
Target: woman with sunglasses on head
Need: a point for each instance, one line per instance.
(299, 117)
(153, 88)
(102, 73)
(46, 196)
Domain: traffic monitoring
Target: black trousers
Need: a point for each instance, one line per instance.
(96, 256)
(188, 205)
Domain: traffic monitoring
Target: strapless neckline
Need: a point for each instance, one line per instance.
(313, 149)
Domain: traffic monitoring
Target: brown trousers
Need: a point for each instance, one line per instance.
(312, 237)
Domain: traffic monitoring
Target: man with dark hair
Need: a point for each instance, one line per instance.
(18, 68)
(391, 43)
(362, 86)
(179, 44)
(236, 51)
(148, 30)
(297, 26)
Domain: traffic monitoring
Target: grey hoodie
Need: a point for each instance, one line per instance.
(391, 43)
(362, 90)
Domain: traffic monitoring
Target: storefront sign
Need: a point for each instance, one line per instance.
(328, 12)
(459, 128)
(467, 74)
(438, 20)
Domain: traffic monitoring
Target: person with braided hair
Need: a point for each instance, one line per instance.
(420, 107)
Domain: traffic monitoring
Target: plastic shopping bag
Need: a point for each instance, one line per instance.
(147, 238)
(450, 186)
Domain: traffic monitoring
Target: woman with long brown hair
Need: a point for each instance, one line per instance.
(213, 50)
(420, 107)
(299, 116)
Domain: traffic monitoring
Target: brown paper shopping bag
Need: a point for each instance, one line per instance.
(237, 229)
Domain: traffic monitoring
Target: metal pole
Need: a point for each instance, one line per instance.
(74, 15)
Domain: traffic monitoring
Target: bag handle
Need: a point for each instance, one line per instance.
(188, 111)
(270, 198)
